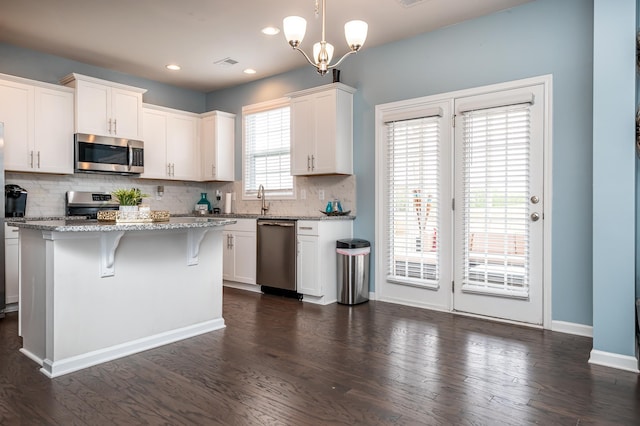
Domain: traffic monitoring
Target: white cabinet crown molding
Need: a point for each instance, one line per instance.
(69, 78)
(322, 88)
(146, 106)
(22, 80)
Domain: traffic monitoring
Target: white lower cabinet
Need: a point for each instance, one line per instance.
(316, 262)
(12, 278)
(239, 251)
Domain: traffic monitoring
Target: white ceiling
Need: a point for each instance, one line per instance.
(140, 37)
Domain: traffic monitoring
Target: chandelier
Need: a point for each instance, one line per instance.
(295, 26)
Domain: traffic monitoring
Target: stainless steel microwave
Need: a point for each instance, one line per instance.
(104, 154)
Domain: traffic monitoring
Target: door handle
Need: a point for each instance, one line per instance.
(535, 216)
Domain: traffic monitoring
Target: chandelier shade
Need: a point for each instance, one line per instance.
(355, 33)
(294, 29)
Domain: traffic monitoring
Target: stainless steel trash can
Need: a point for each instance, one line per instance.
(353, 270)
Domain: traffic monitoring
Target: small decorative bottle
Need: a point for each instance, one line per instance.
(203, 201)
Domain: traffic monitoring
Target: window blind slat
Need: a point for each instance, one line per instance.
(495, 206)
(267, 158)
(413, 202)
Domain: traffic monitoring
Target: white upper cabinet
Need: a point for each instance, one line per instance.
(171, 144)
(322, 130)
(38, 126)
(106, 108)
(217, 144)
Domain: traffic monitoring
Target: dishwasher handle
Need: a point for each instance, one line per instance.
(284, 224)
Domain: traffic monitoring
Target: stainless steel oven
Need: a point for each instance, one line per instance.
(104, 154)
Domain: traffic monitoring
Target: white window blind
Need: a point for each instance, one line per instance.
(267, 153)
(496, 148)
(413, 202)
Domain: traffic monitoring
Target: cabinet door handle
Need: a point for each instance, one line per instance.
(308, 163)
(213, 170)
(109, 125)
(313, 162)
(173, 169)
(168, 169)
(38, 159)
(31, 160)
(115, 126)
(231, 237)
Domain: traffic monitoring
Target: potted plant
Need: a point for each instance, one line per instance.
(129, 198)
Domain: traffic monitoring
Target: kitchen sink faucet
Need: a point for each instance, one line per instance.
(265, 207)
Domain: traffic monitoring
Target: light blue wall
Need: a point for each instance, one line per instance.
(614, 176)
(50, 69)
(541, 37)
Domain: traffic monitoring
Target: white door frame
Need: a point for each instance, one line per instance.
(380, 167)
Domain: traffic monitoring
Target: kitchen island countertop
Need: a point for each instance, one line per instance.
(88, 225)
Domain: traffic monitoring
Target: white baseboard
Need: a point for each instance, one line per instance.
(609, 359)
(572, 328)
(11, 307)
(64, 366)
(241, 286)
(31, 356)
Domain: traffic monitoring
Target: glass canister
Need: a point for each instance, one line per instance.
(204, 202)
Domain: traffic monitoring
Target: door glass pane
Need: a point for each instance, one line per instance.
(495, 205)
(414, 201)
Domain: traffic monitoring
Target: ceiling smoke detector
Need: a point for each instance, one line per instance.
(226, 62)
(409, 3)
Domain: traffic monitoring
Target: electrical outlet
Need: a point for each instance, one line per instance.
(321, 194)
(303, 194)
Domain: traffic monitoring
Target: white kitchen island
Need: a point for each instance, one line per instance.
(93, 291)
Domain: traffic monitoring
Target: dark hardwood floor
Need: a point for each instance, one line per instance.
(280, 361)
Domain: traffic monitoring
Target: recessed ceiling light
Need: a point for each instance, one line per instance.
(249, 71)
(173, 67)
(270, 30)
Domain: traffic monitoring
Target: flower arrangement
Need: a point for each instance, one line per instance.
(129, 197)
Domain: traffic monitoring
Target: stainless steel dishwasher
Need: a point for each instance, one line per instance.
(277, 251)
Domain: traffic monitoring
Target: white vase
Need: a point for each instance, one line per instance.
(127, 213)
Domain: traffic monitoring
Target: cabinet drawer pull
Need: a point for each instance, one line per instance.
(309, 228)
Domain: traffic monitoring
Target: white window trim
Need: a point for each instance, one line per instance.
(252, 109)
(397, 108)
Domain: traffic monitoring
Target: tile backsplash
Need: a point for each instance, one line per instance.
(46, 193)
(341, 188)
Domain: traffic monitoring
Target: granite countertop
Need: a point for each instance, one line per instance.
(269, 216)
(88, 225)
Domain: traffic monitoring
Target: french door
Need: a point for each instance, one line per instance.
(460, 203)
(499, 205)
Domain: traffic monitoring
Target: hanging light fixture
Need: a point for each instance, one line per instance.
(354, 31)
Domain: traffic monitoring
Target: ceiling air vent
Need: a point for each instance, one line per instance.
(226, 62)
(409, 3)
